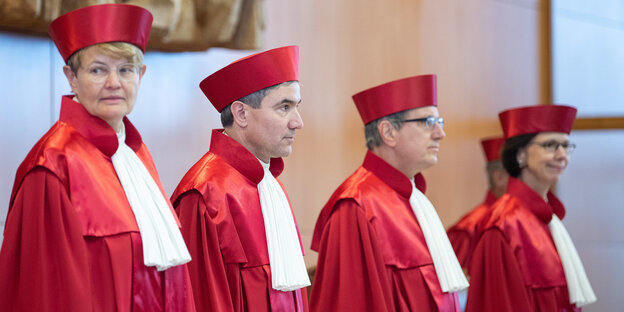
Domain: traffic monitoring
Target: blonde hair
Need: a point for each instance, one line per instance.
(112, 49)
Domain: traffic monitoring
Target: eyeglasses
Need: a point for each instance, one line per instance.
(429, 121)
(553, 146)
(98, 73)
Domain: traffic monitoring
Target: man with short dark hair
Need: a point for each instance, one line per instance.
(381, 244)
(236, 218)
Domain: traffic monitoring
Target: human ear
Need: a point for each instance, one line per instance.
(499, 176)
(71, 78)
(521, 158)
(239, 112)
(142, 71)
(387, 132)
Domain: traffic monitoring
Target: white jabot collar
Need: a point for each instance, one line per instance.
(288, 270)
(450, 274)
(579, 288)
(163, 245)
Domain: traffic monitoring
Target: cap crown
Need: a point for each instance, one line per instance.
(396, 96)
(250, 74)
(100, 23)
(538, 118)
(492, 147)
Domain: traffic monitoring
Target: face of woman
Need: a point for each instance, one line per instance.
(106, 86)
(544, 159)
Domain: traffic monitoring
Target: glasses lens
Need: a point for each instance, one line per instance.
(431, 121)
(99, 73)
(127, 72)
(553, 146)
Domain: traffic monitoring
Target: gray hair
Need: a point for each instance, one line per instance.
(371, 133)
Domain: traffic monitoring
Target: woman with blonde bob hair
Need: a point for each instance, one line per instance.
(90, 227)
(524, 259)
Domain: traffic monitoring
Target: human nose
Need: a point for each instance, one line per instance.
(113, 80)
(438, 132)
(561, 151)
(296, 122)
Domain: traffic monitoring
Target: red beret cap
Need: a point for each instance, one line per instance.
(396, 96)
(492, 148)
(250, 74)
(539, 118)
(100, 23)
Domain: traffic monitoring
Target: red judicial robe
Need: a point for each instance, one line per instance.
(218, 205)
(71, 242)
(462, 234)
(372, 252)
(515, 264)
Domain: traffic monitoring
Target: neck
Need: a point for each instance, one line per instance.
(116, 125)
(498, 192)
(538, 186)
(388, 155)
(239, 137)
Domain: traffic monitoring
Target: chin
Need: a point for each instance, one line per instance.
(552, 180)
(432, 161)
(280, 155)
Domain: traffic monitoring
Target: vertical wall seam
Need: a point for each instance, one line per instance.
(52, 82)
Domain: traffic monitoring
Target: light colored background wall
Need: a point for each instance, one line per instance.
(588, 72)
(489, 55)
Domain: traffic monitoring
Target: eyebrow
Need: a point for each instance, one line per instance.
(287, 101)
(427, 116)
(98, 62)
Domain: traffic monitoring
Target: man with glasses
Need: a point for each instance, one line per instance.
(381, 244)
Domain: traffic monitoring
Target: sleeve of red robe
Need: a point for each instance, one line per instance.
(351, 274)
(44, 259)
(208, 275)
(496, 282)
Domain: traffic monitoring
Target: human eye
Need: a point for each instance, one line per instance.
(98, 70)
(285, 107)
(550, 145)
(127, 71)
(128, 68)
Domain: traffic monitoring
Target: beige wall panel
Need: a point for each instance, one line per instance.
(486, 56)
